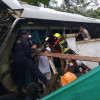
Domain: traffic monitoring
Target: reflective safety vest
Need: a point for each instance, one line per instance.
(63, 44)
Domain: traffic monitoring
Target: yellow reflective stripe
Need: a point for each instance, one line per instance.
(66, 49)
(61, 42)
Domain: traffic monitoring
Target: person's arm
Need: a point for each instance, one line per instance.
(67, 66)
(87, 34)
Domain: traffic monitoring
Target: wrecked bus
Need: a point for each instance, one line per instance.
(15, 16)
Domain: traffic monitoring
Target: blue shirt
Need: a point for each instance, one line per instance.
(22, 49)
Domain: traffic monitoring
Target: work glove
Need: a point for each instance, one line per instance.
(47, 38)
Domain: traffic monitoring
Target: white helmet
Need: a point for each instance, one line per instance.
(47, 48)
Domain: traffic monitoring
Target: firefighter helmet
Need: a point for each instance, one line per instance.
(57, 35)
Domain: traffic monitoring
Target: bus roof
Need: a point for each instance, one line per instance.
(50, 14)
(30, 11)
(12, 4)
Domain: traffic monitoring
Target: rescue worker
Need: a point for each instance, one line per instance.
(23, 59)
(61, 43)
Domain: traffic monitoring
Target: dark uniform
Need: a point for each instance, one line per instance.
(61, 43)
(23, 59)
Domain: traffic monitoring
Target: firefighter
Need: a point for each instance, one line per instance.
(61, 43)
(23, 59)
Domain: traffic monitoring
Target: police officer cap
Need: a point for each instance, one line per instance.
(24, 32)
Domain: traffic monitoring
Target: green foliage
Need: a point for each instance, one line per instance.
(76, 6)
(45, 2)
(29, 0)
(80, 7)
(56, 8)
(93, 13)
(54, 5)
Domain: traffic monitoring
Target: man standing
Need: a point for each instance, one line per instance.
(44, 66)
(84, 33)
(23, 59)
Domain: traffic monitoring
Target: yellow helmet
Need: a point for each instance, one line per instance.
(57, 35)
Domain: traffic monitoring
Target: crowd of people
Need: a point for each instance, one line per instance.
(23, 60)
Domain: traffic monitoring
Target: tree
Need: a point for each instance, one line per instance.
(93, 13)
(54, 5)
(95, 2)
(45, 2)
(76, 6)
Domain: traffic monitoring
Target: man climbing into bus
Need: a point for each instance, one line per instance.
(84, 33)
(23, 59)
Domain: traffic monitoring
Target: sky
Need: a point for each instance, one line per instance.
(59, 2)
(94, 7)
